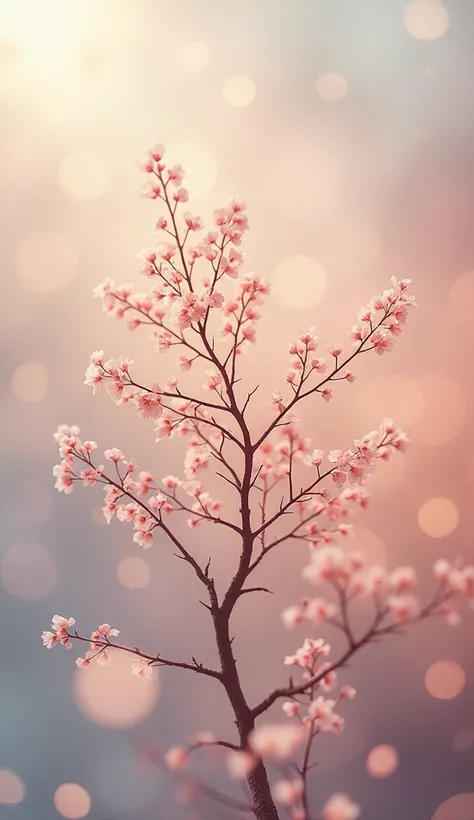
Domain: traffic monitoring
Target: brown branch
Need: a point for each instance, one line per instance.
(154, 660)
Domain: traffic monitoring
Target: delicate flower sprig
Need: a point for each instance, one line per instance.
(201, 302)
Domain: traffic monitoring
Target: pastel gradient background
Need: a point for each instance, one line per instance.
(347, 125)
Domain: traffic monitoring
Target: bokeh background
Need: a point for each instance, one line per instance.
(347, 126)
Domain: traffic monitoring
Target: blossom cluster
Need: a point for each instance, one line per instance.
(135, 498)
(100, 645)
(378, 325)
(188, 274)
(350, 577)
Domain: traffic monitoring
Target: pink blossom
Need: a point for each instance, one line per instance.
(340, 807)
(104, 631)
(142, 669)
(292, 616)
(194, 223)
(347, 693)
(307, 654)
(403, 607)
(240, 764)
(213, 381)
(149, 405)
(278, 740)
(315, 459)
(176, 758)
(291, 708)
(288, 792)
(176, 174)
(402, 578)
(144, 538)
(49, 639)
(318, 610)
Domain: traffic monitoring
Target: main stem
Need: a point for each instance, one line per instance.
(262, 801)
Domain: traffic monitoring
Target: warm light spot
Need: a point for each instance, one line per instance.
(331, 87)
(369, 544)
(445, 680)
(382, 761)
(133, 573)
(112, 696)
(98, 516)
(239, 91)
(461, 300)
(31, 503)
(388, 474)
(199, 163)
(445, 411)
(463, 740)
(29, 381)
(393, 395)
(194, 56)
(438, 517)
(459, 807)
(46, 261)
(28, 571)
(12, 790)
(426, 19)
(299, 282)
(84, 174)
(72, 801)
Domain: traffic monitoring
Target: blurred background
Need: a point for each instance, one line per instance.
(348, 127)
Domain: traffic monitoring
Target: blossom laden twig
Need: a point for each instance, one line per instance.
(202, 303)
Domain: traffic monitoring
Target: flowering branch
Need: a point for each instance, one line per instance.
(190, 295)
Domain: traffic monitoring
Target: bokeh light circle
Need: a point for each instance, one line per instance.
(72, 801)
(12, 789)
(133, 573)
(194, 56)
(463, 740)
(445, 680)
(299, 282)
(239, 91)
(394, 395)
(199, 163)
(445, 411)
(461, 300)
(426, 19)
(84, 174)
(382, 761)
(458, 807)
(113, 696)
(28, 571)
(46, 261)
(438, 517)
(30, 381)
(332, 86)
